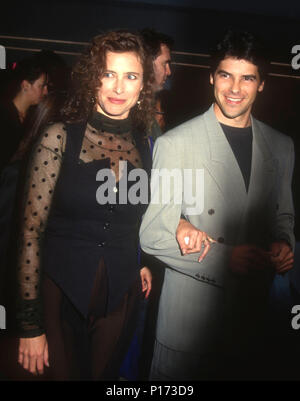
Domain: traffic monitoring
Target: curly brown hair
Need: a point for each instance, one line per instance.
(88, 70)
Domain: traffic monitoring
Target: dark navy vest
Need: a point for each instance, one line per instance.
(80, 231)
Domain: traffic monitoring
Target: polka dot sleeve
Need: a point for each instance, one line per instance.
(43, 171)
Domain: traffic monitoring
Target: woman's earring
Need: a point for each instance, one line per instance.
(138, 104)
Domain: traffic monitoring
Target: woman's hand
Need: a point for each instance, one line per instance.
(190, 239)
(33, 354)
(146, 278)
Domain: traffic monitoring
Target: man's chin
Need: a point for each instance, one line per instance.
(232, 113)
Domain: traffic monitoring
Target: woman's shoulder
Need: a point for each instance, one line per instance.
(54, 129)
(53, 136)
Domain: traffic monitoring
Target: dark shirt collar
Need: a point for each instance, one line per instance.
(105, 124)
(229, 129)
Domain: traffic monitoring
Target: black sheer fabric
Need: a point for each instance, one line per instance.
(92, 348)
(103, 139)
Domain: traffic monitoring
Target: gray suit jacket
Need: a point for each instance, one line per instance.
(229, 214)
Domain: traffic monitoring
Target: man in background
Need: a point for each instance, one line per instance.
(159, 45)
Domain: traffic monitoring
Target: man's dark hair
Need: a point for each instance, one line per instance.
(153, 39)
(243, 46)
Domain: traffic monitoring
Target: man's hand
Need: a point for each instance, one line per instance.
(190, 239)
(282, 256)
(249, 258)
(33, 354)
(146, 278)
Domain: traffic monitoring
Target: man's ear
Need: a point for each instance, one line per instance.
(211, 79)
(261, 86)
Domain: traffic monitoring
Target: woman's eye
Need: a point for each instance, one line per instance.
(107, 74)
(131, 76)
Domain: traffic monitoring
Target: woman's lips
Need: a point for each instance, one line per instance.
(116, 101)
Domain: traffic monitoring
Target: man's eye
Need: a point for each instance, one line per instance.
(224, 75)
(249, 78)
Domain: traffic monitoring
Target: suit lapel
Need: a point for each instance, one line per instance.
(223, 165)
(263, 173)
(263, 166)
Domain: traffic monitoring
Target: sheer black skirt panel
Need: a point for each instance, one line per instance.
(92, 348)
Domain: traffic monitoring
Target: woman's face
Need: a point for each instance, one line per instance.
(122, 82)
(37, 90)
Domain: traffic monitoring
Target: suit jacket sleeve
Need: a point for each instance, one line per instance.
(158, 229)
(285, 208)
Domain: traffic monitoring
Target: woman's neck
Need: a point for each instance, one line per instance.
(102, 122)
(22, 105)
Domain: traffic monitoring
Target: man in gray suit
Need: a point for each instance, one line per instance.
(226, 174)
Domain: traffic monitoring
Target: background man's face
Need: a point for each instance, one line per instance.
(236, 83)
(161, 67)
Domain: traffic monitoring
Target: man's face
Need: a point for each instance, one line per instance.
(162, 68)
(236, 83)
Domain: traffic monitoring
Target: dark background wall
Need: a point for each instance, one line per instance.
(64, 26)
(194, 24)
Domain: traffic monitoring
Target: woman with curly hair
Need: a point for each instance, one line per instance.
(79, 274)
